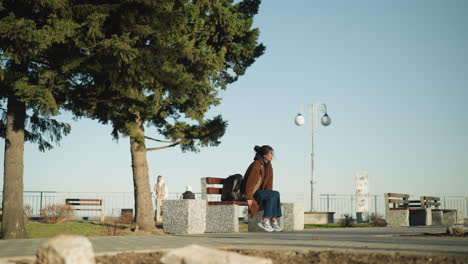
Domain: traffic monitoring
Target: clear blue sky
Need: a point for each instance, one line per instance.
(394, 75)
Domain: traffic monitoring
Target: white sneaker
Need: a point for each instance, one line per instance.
(265, 225)
(276, 227)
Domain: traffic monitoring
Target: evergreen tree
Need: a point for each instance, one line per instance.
(161, 63)
(32, 89)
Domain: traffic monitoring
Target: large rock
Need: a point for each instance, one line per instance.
(456, 230)
(195, 254)
(66, 250)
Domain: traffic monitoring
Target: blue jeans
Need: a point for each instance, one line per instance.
(270, 201)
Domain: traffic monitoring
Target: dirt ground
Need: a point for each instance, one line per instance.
(299, 257)
(294, 257)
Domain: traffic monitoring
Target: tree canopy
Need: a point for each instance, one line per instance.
(161, 63)
(33, 87)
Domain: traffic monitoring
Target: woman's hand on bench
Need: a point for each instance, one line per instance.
(249, 202)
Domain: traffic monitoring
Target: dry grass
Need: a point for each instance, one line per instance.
(56, 213)
(376, 220)
(347, 221)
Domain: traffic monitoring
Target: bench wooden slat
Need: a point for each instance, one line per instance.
(407, 208)
(398, 195)
(86, 209)
(211, 180)
(445, 210)
(212, 190)
(398, 201)
(85, 204)
(83, 200)
(432, 203)
(229, 203)
(431, 198)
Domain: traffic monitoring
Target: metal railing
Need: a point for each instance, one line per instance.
(343, 204)
(115, 201)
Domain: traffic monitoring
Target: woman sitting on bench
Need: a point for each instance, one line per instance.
(257, 188)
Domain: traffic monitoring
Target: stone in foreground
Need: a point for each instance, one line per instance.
(66, 249)
(456, 230)
(195, 254)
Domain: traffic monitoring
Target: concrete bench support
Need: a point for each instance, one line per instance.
(437, 217)
(184, 216)
(449, 217)
(222, 218)
(408, 217)
(319, 218)
(460, 217)
(292, 219)
(420, 217)
(397, 217)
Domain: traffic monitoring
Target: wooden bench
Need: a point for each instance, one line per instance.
(440, 216)
(400, 210)
(78, 203)
(218, 190)
(223, 216)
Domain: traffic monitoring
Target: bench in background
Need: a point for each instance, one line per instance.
(77, 205)
(223, 216)
(401, 211)
(441, 216)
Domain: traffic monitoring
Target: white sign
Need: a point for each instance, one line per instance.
(362, 191)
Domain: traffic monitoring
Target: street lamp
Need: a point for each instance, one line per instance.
(325, 120)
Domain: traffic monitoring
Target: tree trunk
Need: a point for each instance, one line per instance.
(144, 214)
(13, 226)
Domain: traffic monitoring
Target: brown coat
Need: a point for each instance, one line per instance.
(257, 177)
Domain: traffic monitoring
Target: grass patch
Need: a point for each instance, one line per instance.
(42, 230)
(243, 227)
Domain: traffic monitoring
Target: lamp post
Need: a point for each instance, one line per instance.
(325, 120)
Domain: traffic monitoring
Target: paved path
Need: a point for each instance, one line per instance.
(375, 239)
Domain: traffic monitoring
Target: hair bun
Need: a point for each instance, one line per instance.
(257, 148)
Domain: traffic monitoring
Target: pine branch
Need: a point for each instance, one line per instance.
(158, 148)
(162, 141)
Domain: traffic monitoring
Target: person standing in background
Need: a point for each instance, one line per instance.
(161, 193)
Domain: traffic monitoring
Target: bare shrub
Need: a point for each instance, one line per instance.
(113, 228)
(27, 213)
(347, 221)
(376, 220)
(126, 218)
(56, 213)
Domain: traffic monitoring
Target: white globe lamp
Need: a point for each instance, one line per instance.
(325, 120)
(299, 120)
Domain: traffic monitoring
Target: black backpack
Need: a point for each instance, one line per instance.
(232, 188)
